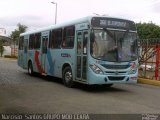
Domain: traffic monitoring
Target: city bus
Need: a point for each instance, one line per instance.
(91, 50)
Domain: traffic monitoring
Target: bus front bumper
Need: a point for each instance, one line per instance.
(111, 79)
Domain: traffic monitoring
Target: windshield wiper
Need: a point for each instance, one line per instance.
(125, 34)
(109, 33)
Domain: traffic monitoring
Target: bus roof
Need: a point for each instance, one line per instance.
(73, 22)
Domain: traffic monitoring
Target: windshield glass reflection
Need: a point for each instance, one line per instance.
(114, 46)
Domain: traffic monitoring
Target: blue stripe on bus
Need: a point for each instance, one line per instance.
(50, 62)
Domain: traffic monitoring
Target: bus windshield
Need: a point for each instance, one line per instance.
(114, 45)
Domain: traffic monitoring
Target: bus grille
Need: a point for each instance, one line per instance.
(113, 72)
(112, 78)
(115, 66)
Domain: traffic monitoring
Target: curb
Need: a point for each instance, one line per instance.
(2, 58)
(149, 81)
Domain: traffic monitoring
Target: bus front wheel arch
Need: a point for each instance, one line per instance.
(67, 76)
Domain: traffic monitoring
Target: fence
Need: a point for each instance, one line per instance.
(149, 59)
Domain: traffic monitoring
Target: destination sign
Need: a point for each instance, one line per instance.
(105, 22)
(112, 23)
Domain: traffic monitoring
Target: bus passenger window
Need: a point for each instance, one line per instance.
(45, 43)
(56, 38)
(21, 43)
(68, 37)
(31, 41)
(37, 41)
(64, 43)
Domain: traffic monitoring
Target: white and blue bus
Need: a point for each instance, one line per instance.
(90, 50)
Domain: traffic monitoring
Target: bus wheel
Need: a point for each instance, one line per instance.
(67, 77)
(30, 69)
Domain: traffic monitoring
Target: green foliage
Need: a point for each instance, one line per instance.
(16, 33)
(148, 30)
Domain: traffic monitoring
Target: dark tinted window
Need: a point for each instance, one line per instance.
(37, 40)
(68, 37)
(31, 41)
(21, 43)
(56, 38)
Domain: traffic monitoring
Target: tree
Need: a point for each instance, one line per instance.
(148, 30)
(16, 33)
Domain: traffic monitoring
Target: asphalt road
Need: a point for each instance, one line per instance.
(21, 93)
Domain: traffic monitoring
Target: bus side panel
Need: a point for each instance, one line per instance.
(52, 62)
(36, 59)
(20, 58)
(56, 58)
(31, 58)
(25, 54)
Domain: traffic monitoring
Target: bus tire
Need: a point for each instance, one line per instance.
(68, 77)
(30, 69)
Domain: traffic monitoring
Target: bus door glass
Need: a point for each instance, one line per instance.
(44, 52)
(25, 55)
(82, 47)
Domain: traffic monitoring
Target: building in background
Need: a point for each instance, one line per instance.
(6, 43)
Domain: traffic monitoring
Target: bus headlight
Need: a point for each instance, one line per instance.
(96, 69)
(133, 68)
(132, 71)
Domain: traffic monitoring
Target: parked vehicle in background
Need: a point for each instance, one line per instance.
(148, 67)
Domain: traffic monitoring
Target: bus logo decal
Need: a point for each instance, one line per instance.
(66, 55)
(50, 62)
(38, 65)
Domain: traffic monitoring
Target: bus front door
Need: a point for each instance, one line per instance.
(44, 53)
(82, 47)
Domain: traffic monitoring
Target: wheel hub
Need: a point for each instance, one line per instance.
(68, 76)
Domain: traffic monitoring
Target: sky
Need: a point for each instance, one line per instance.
(40, 13)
